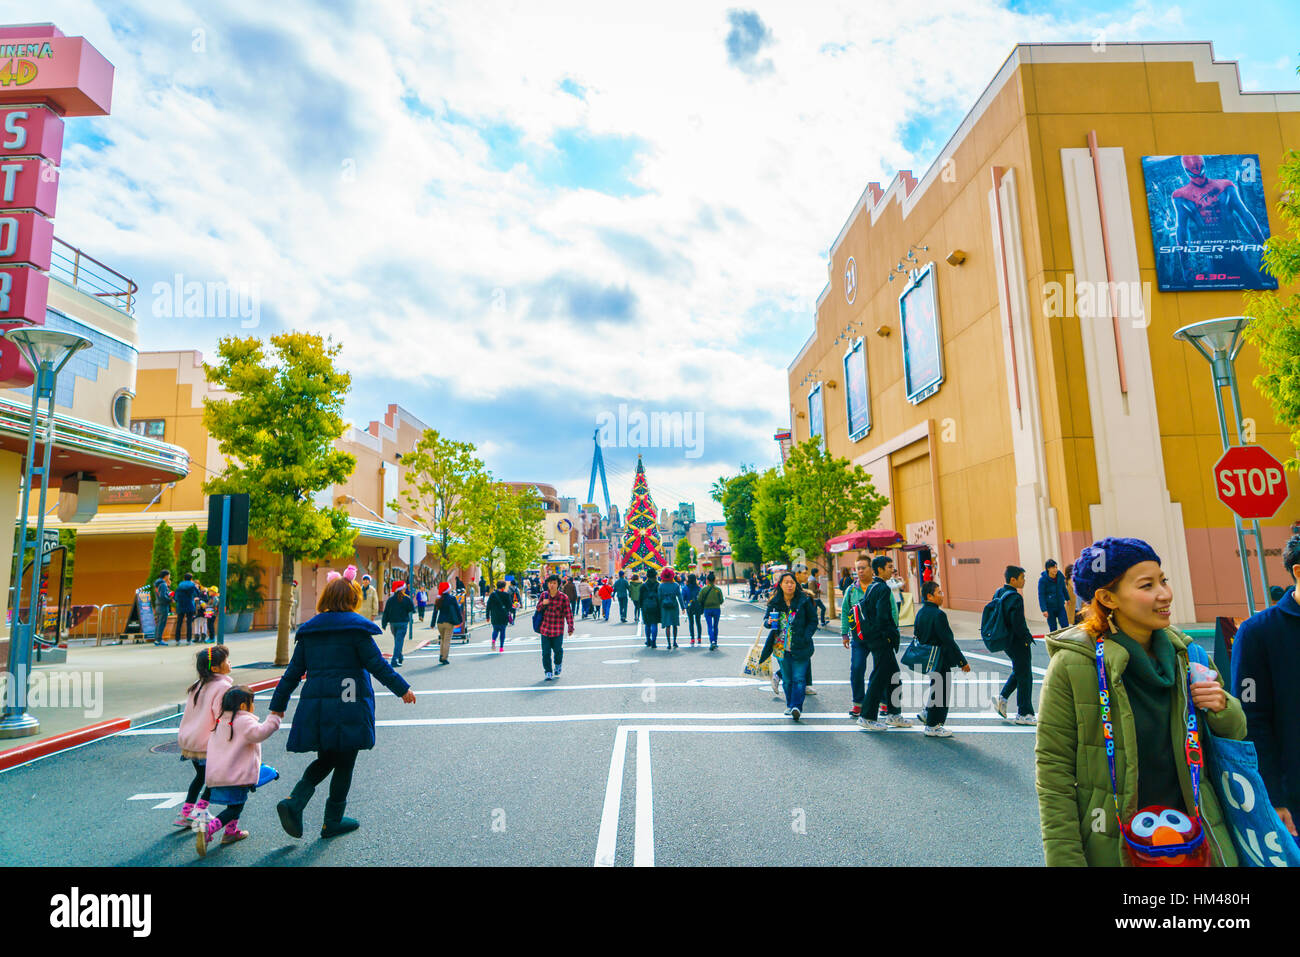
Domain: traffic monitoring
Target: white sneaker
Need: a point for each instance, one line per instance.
(809, 690)
(866, 725)
(794, 713)
(999, 704)
(938, 731)
(898, 721)
(787, 712)
(550, 676)
(1026, 719)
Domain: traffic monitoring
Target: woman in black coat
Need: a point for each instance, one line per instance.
(336, 712)
(792, 616)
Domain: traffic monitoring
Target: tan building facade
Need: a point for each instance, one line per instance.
(1047, 424)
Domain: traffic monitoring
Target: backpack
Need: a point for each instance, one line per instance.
(993, 624)
(537, 619)
(649, 597)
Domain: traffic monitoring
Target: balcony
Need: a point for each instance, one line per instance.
(88, 275)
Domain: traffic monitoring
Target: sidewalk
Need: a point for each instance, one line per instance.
(142, 682)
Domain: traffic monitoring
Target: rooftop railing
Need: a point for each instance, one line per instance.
(87, 274)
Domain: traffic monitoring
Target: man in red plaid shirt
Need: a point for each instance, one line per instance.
(556, 612)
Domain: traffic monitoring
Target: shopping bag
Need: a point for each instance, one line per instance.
(752, 668)
(1232, 769)
(924, 658)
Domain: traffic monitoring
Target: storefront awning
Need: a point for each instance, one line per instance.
(875, 538)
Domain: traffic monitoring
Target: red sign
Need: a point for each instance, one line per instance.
(23, 294)
(726, 559)
(28, 184)
(40, 63)
(1250, 481)
(26, 238)
(31, 131)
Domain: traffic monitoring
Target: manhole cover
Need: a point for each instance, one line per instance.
(167, 747)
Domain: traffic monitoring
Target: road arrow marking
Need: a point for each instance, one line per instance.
(168, 798)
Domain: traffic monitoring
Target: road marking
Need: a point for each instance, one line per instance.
(620, 661)
(168, 798)
(1004, 662)
(607, 837)
(643, 848)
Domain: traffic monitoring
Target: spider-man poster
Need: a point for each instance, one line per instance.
(1209, 221)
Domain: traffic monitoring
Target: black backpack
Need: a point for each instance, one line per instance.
(649, 597)
(993, 624)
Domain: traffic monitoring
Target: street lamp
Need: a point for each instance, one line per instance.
(1219, 341)
(47, 352)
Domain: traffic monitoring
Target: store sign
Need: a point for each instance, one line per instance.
(38, 64)
(128, 494)
(1209, 221)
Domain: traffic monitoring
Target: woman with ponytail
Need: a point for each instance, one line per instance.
(1119, 771)
(202, 708)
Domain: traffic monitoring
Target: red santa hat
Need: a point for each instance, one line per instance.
(398, 586)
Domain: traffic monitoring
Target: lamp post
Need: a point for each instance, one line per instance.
(47, 351)
(1220, 341)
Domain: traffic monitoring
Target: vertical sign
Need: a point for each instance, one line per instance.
(44, 76)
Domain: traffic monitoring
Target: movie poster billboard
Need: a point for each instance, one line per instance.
(856, 395)
(918, 310)
(816, 418)
(1209, 221)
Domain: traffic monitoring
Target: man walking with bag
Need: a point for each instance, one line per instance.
(556, 612)
(879, 632)
(853, 594)
(1019, 648)
(932, 629)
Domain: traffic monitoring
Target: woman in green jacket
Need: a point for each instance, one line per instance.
(1146, 668)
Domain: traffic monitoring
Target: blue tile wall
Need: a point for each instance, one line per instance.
(86, 364)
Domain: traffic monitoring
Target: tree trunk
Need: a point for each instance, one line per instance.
(282, 619)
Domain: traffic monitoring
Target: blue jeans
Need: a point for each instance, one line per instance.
(711, 616)
(622, 608)
(604, 604)
(499, 633)
(586, 607)
(794, 675)
(858, 669)
(651, 632)
(399, 637)
(1056, 618)
(160, 624)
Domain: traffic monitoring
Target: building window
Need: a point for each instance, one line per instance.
(122, 409)
(149, 428)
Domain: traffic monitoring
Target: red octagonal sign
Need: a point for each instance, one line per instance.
(1250, 481)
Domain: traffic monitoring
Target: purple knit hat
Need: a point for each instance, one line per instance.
(1102, 562)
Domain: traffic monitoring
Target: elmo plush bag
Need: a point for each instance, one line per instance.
(1232, 769)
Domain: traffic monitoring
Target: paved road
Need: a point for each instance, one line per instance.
(632, 757)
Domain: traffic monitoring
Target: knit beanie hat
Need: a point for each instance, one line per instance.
(1102, 562)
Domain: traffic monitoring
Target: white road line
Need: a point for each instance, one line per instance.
(748, 728)
(607, 838)
(643, 850)
(615, 716)
(1004, 662)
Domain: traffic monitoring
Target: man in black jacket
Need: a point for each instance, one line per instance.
(879, 632)
(1019, 648)
(398, 612)
(932, 629)
(1265, 675)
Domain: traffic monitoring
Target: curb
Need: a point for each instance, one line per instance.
(13, 757)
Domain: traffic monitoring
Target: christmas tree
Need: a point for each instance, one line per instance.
(642, 550)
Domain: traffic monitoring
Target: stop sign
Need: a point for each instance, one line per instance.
(1250, 481)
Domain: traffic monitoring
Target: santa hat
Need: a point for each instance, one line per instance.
(398, 586)
(442, 587)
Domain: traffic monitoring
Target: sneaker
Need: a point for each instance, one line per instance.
(999, 704)
(208, 830)
(776, 683)
(183, 819)
(231, 833)
(786, 712)
(898, 721)
(1026, 719)
(810, 690)
(866, 725)
(794, 713)
(550, 675)
(199, 813)
(502, 648)
(557, 671)
(938, 731)
(713, 646)
(855, 711)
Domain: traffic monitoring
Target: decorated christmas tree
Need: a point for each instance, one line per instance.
(642, 551)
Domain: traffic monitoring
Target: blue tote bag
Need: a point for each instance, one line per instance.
(1258, 834)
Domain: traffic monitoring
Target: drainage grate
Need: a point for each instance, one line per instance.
(167, 747)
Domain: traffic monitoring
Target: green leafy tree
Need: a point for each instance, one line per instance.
(771, 493)
(447, 489)
(191, 542)
(1276, 326)
(827, 496)
(68, 539)
(508, 530)
(736, 496)
(278, 437)
(164, 553)
(682, 555)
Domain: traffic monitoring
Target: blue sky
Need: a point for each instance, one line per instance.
(515, 221)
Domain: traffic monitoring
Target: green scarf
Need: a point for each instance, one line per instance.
(1149, 681)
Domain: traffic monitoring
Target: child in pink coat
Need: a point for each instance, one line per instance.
(234, 765)
(202, 708)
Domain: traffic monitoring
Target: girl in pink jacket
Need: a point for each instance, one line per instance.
(202, 708)
(234, 765)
